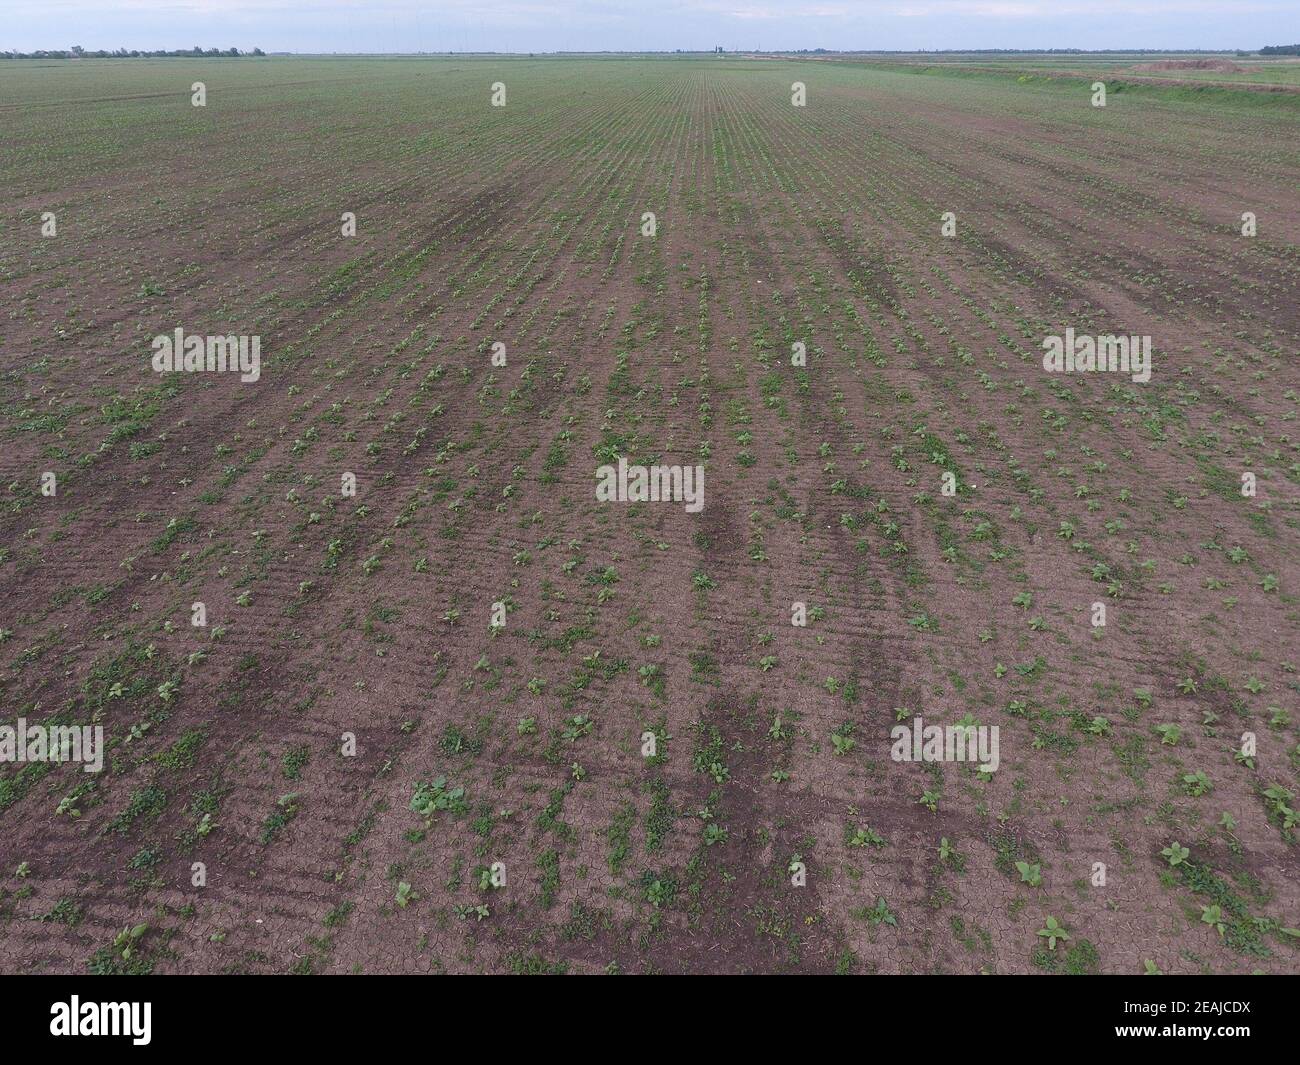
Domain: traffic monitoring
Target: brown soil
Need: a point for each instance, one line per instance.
(369, 615)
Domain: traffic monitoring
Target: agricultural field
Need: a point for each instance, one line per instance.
(394, 677)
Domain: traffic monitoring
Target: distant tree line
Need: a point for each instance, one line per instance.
(1280, 49)
(77, 52)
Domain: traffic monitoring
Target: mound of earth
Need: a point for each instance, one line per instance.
(1222, 66)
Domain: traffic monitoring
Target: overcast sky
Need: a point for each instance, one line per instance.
(631, 25)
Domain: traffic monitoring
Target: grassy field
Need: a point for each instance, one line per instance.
(447, 711)
(1262, 72)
